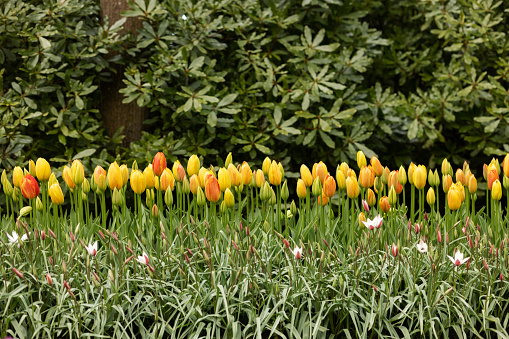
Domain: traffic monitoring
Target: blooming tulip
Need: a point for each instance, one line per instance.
(159, 164)
(138, 182)
(375, 223)
(29, 187)
(42, 169)
(297, 252)
(143, 259)
(458, 258)
(92, 249)
(193, 165)
(56, 195)
(422, 247)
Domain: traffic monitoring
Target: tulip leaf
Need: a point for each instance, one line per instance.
(85, 153)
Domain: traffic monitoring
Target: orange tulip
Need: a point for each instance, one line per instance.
(367, 176)
(377, 166)
(29, 187)
(235, 176)
(67, 177)
(321, 171)
(194, 183)
(159, 164)
(246, 173)
(166, 180)
(212, 189)
(323, 200)
(371, 198)
(492, 176)
(460, 176)
(384, 204)
(446, 183)
(100, 176)
(329, 186)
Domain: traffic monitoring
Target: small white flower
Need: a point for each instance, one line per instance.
(422, 247)
(14, 238)
(458, 258)
(143, 259)
(92, 249)
(375, 223)
(297, 252)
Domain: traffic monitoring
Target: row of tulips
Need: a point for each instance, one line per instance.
(374, 185)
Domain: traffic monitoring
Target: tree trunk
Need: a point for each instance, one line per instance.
(115, 114)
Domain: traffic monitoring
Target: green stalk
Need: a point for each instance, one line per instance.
(412, 202)
(240, 204)
(278, 212)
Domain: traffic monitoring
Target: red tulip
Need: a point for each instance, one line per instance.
(29, 187)
(159, 164)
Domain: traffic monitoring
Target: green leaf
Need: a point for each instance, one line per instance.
(305, 101)
(45, 44)
(212, 119)
(327, 139)
(309, 138)
(263, 149)
(79, 102)
(412, 129)
(227, 100)
(277, 115)
(85, 153)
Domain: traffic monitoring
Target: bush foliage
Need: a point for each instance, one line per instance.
(297, 80)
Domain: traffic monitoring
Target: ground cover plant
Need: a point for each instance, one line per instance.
(192, 252)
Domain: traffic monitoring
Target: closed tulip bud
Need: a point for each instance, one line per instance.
(229, 199)
(306, 175)
(505, 182)
(362, 218)
(246, 173)
(77, 172)
(446, 167)
(116, 198)
(352, 187)
(194, 183)
(31, 168)
(29, 187)
(454, 199)
(135, 166)
(402, 178)
(155, 211)
(446, 183)
(323, 200)
(436, 178)
(496, 190)
(272, 200)
(228, 160)
(430, 196)
(385, 206)
(492, 177)
(100, 178)
(166, 179)
(361, 159)
(115, 176)
(505, 165)
(371, 198)
(293, 208)
(93, 185)
(85, 186)
(367, 177)
(316, 188)
(285, 193)
(321, 171)
(17, 175)
(460, 177)
(138, 182)
(419, 177)
(42, 169)
(494, 162)
(266, 165)
(200, 197)
(377, 166)
(343, 167)
(38, 204)
(411, 169)
(274, 174)
(3, 178)
(260, 178)
(159, 164)
(378, 184)
(393, 180)
(431, 178)
(8, 189)
(393, 197)
(193, 165)
(56, 195)
(168, 197)
(265, 191)
(329, 186)
(212, 188)
(394, 250)
(302, 190)
(186, 186)
(341, 180)
(224, 179)
(282, 170)
(124, 172)
(385, 175)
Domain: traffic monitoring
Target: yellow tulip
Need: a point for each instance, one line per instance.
(17, 175)
(194, 183)
(411, 169)
(31, 168)
(224, 179)
(361, 159)
(229, 199)
(100, 177)
(193, 165)
(246, 173)
(42, 169)
(266, 165)
(419, 177)
(274, 174)
(138, 182)
(124, 171)
(66, 174)
(377, 166)
(149, 177)
(454, 198)
(496, 190)
(430, 196)
(260, 178)
(302, 190)
(472, 184)
(306, 176)
(352, 187)
(77, 172)
(115, 176)
(235, 176)
(56, 195)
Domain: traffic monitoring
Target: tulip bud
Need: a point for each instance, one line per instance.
(200, 197)
(384, 204)
(394, 250)
(18, 273)
(402, 177)
(149, 197)
(149, 177)
(212, 188)
(377, 166)
(29, 187)
(365, 205)
(272, 200)
(168, 197)
(49, 279)
(8, 189)
(496, 190)
(329, 186)
(446, 183)
(266, 165)
(430, 196)
(301, 189)
(193, 165)
(116, 198)
(138, 182)
(286, 243)
(431, 178)
(371, 198)
(229, 199)
(17, 175)
(224, 179)
(316, 189)
(393, 197)
(274, 174)
(259, 178)
(361, 159)
(155, 211)
(186, 187)
(306, 176)
(114, 177)
(293, 208)
(366, 177)
(341, 180)
(42, 169)
(38, 204)
(419, 177)
(159, 164)
(229, 160)
(362, 218)
(77, 172)
(352, 187)
(446, 167)
(31, 168)
(285, 193)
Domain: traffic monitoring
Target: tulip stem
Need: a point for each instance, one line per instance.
(278, 212)
(240, 203)
(412, 202)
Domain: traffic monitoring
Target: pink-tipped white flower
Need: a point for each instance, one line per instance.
(14, 238)
(458, 259)
(143, 259)
(365, 205)
(297, 252)
(375, 223)
(92, 249)
(394, 250)
(422, 247)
